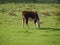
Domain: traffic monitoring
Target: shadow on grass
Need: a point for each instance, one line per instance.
(56, 29)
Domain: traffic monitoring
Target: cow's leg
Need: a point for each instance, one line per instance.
(35, 23)
(38, 22)
(27, 22)
(23, 20)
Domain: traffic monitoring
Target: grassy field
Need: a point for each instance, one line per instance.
(12, 33)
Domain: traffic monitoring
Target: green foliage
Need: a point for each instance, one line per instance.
(29, 1)
(3, 10)
(57, 18)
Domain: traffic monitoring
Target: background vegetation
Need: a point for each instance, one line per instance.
(11, 31)
(29, 1)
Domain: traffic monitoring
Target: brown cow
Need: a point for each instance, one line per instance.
(30, 15)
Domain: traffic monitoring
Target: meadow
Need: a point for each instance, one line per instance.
(12, 33)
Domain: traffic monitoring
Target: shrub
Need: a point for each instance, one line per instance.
(12, 13)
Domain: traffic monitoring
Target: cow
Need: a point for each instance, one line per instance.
(30, 15)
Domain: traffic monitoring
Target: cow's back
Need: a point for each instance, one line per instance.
(30, 14)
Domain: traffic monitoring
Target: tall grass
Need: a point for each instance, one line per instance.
(12, 33)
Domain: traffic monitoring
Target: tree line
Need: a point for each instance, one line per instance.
(29, 1)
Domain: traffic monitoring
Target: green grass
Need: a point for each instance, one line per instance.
(12, 33)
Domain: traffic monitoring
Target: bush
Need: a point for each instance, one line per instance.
(12, 13)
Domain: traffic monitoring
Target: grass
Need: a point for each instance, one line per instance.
(12, 33)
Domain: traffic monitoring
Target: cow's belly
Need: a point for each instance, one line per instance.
(30, 19)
